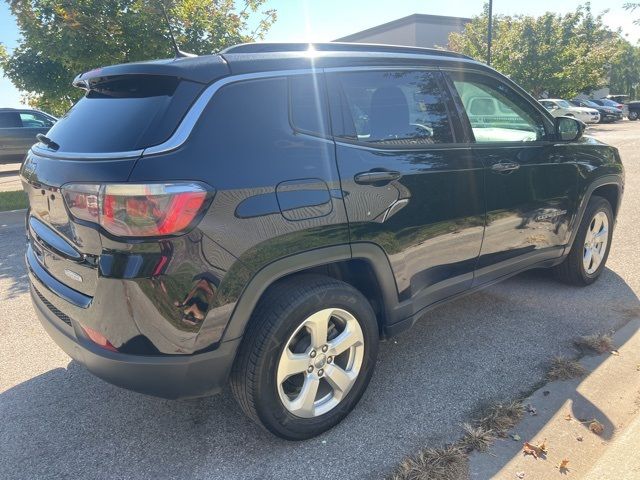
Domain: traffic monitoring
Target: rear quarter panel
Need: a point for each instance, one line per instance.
(277, 194)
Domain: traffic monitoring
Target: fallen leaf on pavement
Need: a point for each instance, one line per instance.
(547, 392)
(516, 437)
(543, 446)
(520, 474)
(615, 352)
(563, 465)
(579, 438)
(596, 427)
(568, 417)
(531, 409)
(529, 449)
(535, 450)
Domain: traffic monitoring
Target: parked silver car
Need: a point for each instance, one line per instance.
(561, 108)
(18, 130)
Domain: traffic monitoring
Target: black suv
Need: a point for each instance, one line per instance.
(267, 214)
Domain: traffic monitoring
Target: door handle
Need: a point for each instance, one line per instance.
(505, 167)
(376, 176)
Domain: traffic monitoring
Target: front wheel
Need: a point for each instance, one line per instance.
(633, 116)
(590, 249)
(307, 356)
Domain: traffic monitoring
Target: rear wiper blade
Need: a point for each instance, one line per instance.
(47, 141)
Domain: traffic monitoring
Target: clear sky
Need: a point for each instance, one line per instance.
(324, 20)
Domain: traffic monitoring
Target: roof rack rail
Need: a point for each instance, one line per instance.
(267, 47)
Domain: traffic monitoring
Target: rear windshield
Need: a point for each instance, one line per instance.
(125, 113)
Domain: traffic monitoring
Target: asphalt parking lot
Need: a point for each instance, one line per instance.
(58, 421)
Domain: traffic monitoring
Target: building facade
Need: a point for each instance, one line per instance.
(416, 30)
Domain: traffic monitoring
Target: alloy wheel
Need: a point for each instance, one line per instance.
(595, 243)
(320, 363)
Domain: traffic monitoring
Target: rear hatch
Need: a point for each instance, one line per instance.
(126, 109)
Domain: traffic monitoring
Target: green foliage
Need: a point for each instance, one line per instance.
(62, 38)
(13, 200)
(561, 55)
(625, 71)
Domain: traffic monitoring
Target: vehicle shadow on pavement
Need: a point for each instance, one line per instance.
(492, 345)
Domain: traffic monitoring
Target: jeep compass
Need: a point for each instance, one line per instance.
(264, 216)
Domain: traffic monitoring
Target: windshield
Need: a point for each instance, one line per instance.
(563, 103)
(609, 103)
(589, 103)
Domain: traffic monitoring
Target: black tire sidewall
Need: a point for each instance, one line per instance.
(269, 407)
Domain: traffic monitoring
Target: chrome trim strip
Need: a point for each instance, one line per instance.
(187, 124)
(49, 282)
(37, 149)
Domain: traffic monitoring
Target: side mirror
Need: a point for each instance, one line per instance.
(569, 129)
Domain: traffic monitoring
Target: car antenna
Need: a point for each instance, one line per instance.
(179, 53)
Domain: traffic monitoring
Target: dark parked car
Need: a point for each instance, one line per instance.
(634, 110)
(18, 130)
(267, 214)
(607, 114)
(616, 107)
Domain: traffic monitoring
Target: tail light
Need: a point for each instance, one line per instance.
(137, 210)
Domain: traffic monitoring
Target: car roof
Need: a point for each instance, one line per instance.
(256, 57)
(275, 47)
(18, 110)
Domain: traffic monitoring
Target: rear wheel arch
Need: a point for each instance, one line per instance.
(367, 270)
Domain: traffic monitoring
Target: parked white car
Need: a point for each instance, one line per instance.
(562, 108)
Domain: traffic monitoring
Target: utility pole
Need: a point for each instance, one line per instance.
(490, 32)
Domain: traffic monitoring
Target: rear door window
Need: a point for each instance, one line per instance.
(308, 111)
(396, 108)
(10, 120)
(124, 113)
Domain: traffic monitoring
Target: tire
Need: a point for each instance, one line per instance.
(573, 270)
(281, 321)
(633, 116)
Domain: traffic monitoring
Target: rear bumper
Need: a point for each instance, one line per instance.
(167, 376)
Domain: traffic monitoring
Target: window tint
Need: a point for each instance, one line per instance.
(124, 113)
(404, 108)
(35, 120)
(308, 112)
(497, 113)
(10, 120)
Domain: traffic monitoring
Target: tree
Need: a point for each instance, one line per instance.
(62, 38)
(625, 71)
(560, 55)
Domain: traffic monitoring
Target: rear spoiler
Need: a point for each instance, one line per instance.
(203, 69)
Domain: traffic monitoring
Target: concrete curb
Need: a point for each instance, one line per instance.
(609, 393)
